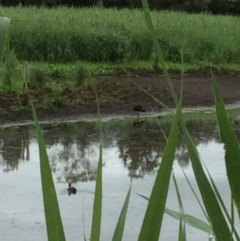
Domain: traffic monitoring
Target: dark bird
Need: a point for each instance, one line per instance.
(138, 108)
(71, 190)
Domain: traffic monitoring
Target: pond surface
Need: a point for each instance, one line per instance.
(130, 150)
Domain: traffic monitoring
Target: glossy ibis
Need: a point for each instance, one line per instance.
(138, 108)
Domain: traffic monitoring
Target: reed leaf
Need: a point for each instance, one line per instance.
(55, 229)
(151, 225)
(210, 200)
(232, 154)
(118, 233)
(230, 220)
(97, 205)
(182, 227)
(188, 219)
(158, 48)
(181, 232)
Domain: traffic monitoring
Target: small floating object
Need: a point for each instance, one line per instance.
(71, 190)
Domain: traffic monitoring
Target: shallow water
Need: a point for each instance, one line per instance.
(73, 153)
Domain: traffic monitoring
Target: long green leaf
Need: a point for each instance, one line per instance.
(210, 201)
(151, 226)
(55, 229)
(188, 219)
(194, 193)
(192, 221)
(158, 48)
(181, 232)
(118, 233)
(97, 205)
(232, 155)
(222, 203)
(182, 228)
(4, 24)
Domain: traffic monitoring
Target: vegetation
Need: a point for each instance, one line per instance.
(194, 6)
(108, 35)
(219, 220)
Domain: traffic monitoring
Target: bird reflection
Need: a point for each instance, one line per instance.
(138, 124)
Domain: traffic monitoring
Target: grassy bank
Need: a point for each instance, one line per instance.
(43, 74)
(101, 35)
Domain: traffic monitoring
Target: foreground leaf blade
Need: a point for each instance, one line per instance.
(97, 205)
(222, 204)
(182, 228)
(118, 233)
(154, 214)
(55, 229)
(158, 48)
(232, 155)
(210, 201)
(188, 219)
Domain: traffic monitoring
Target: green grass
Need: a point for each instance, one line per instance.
(4, 23)
(96, 69)
(67, 71)
(107, 35)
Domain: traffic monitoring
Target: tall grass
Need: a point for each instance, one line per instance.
(103, 35)
(4, 23)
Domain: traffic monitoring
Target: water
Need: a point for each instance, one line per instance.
(73, 150)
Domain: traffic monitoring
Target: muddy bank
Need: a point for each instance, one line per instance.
(118, 94)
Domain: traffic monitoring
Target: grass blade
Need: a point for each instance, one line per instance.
(4, 24)
(97, 205)
(232, 155)
(232, 215)
(153, 217)
(55, 229)
(192, 221)
(210, 201)
(158, 48)
(188, 219)
(118, 233)
(222, 204)
(194, 193)
(182, 228)
(181, 232)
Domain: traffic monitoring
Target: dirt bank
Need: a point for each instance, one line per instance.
(118, 94)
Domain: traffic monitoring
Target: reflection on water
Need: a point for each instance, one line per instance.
(129, 150)
(14, 146)
(73, 147)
